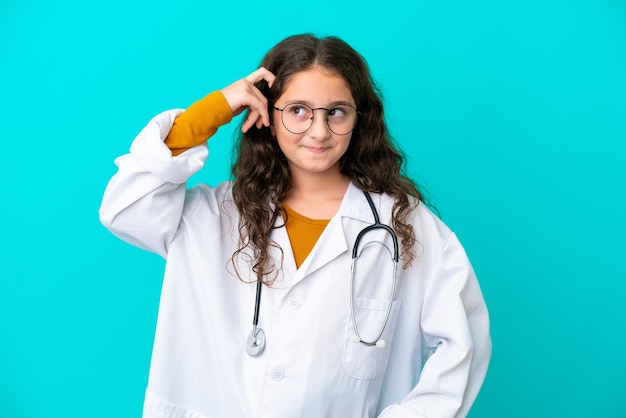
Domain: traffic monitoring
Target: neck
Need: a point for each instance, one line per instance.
(317, 195)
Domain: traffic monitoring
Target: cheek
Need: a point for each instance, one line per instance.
(283, 136)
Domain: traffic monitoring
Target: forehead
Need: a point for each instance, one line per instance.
(318, 86)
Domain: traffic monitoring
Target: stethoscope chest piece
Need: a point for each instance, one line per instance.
(255, 344)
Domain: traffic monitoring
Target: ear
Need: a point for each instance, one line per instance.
(272, 130)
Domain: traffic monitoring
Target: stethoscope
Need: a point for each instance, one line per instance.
(255, 343)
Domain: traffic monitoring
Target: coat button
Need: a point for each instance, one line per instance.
(278, 374)
(294, 303)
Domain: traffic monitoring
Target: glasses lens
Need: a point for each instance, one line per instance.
(298, 118)
(341, 119)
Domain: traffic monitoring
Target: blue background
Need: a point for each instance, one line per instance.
(513, 115)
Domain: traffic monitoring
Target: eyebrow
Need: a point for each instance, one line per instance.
(310, 104)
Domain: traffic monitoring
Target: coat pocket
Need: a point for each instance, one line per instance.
(155, 407)
(369, 362)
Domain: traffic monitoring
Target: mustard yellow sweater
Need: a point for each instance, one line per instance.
(197, 124)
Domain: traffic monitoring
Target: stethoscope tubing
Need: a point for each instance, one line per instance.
(255, 343)
(355, 255)
(257, 304)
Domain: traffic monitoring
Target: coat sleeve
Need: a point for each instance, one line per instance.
(455, 326)
(143, 202)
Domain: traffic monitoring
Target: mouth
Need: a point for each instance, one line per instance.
(316, 150)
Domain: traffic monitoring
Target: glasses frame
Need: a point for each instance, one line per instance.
(313, 109)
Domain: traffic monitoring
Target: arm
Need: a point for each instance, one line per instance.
(144, 200)
(198, 123)
(455, 326)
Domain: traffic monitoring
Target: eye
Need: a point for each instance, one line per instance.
(298, 111)
(338, 112)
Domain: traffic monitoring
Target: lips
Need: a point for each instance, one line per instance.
(317, 150)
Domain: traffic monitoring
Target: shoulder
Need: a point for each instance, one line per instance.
(420, 214)
(431, 233)
(423, 217)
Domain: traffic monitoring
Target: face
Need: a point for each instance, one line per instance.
(317, 150)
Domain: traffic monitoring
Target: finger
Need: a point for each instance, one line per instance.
(257, 103)
(252, 119)
(259, 74)
(259, 120)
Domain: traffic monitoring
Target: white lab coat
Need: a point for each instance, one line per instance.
(437, 338)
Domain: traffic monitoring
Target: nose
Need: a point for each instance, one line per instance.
(319, 126)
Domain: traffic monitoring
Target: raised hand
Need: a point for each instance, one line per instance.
(243, 94)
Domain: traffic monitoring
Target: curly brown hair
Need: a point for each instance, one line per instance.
(372, 162)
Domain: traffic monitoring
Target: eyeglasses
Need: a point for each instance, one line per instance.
(297, 118)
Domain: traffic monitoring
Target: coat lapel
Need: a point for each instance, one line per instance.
(338, 236)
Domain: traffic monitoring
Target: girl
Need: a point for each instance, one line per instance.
(274, 302)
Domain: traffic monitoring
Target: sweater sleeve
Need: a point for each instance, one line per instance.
(198, 123)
